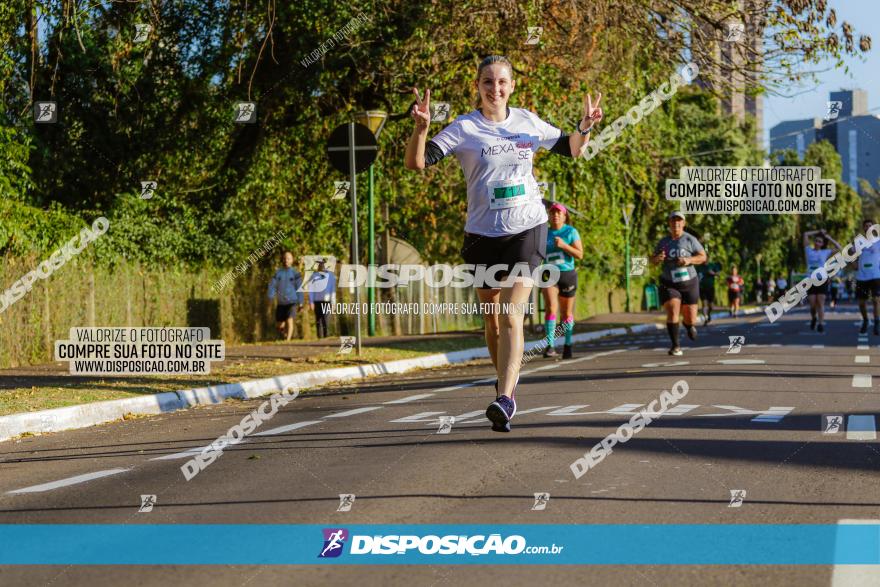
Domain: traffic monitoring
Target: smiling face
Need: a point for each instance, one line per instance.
(495, 86)
(676, 226)
(819, 242)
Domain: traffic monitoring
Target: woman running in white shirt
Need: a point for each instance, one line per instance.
(506, 220)
(816, 257)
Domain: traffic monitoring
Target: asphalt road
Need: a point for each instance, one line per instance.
(751, 421)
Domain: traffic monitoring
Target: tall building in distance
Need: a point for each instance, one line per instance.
(847, 124)
(733, 57)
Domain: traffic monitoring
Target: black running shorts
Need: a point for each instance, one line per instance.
(708, 294)
(284, 311)
(568, 284)
(868, 289)
(686, 291)
(529, 246)
(818, 290)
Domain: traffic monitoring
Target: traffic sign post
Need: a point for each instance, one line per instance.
(352, 148)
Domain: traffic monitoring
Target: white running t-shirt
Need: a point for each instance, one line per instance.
(868, 263)
(496, 158)
(816, 258)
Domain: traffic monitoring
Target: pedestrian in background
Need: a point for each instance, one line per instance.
(286, 286)
(321, 286)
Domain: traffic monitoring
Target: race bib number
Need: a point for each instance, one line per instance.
(509, 193)
(556, 258)
(680, 274)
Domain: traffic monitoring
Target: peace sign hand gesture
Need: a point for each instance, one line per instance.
(592, 112)
(421, 110)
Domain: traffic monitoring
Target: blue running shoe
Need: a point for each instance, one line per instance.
(500, 412)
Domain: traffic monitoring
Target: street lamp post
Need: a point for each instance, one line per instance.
(375, 121)
(627, 214)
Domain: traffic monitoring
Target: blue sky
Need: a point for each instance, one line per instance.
(808, 100)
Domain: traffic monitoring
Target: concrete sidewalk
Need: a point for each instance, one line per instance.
(90, 414)
(56, 373)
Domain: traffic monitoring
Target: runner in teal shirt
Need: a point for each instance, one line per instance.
(557, 256)
(563, 247)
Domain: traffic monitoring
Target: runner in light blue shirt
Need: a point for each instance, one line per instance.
(563, 247)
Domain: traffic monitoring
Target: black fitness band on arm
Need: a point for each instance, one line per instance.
(562, 146)
(433, 153)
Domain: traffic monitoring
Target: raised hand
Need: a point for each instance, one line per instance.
(592, 111)
(421, 110)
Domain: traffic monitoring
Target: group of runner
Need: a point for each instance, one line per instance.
(507, 223)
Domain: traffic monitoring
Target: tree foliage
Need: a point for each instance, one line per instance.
(163, 110)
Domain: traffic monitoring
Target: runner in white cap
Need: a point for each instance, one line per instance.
(679, 285)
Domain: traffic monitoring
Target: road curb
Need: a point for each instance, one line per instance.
(84, 415)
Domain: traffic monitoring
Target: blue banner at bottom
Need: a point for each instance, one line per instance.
(271, 544)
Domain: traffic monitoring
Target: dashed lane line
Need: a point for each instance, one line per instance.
(861, 380)
(861, 427)
(68, 482)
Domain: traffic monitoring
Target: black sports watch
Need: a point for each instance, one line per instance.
(583, 132)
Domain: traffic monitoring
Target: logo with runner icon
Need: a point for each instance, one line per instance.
(637, 266)
(541, 501)
(147, 503)
(340, 189)
(832, 423)
(334, 541)
(346, 501)
(737, 497)
(446, 423)
(534, 35)
(346, 343)
(832, 109)
(439, 111)
(736, 344)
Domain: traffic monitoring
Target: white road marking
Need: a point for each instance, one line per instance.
(460, 419)
(287, 428)
(572, 411)
(411, 398)
(849, 575)
(625, 409)
(818, 346)
(667, 364)
(69, 481)
(773, 414)
(354, 412)
(861, 428)
(545, 368)
(861, 381)
(862, 347)
(736, 411)
(680, 409)
(420, 417)
(532, 410)
(741, 361)
(862, 359)
(191, 452)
